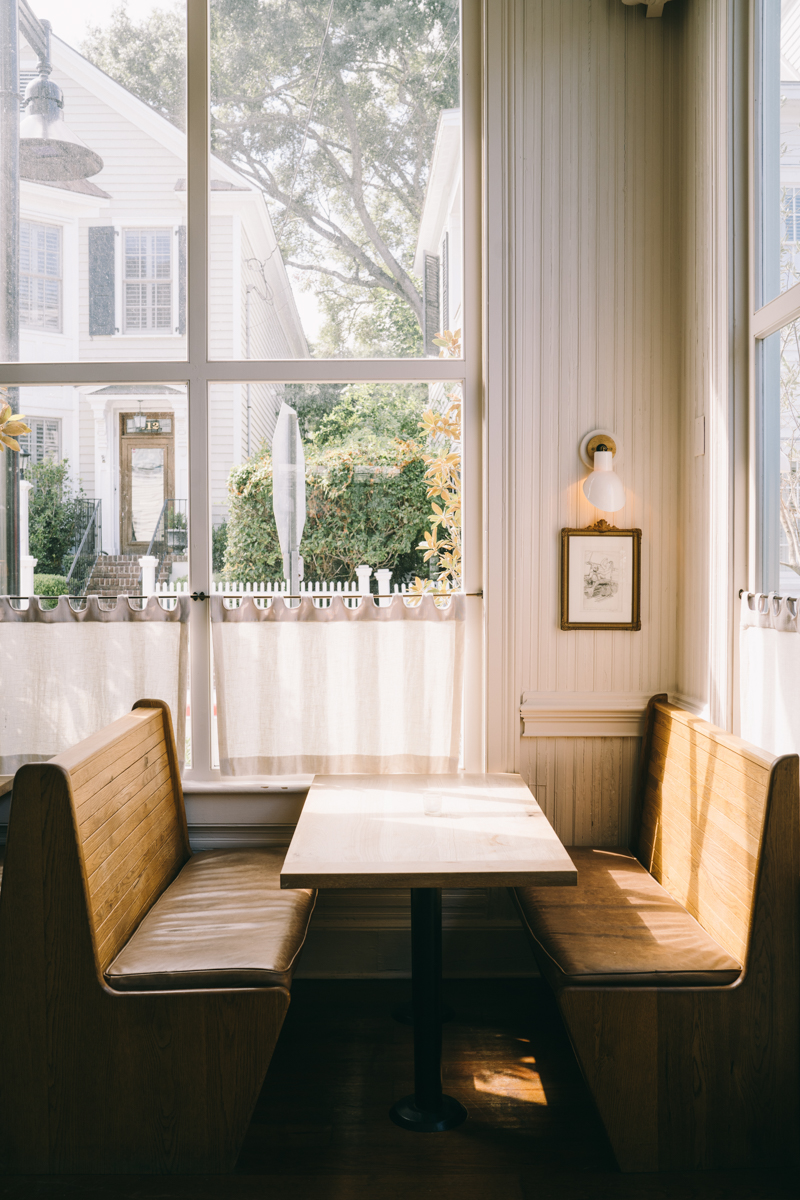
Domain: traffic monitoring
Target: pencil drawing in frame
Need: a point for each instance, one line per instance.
(601, 578)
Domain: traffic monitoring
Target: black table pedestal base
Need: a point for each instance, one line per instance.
(448, 1115)
(427, 1110)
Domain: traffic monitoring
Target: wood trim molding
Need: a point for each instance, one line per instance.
(583, 714)
(693, 704)
(226, 836)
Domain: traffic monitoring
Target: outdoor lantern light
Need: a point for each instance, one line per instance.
(604, 489)
(48, 149)
(139, 421)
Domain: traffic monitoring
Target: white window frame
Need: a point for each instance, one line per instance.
(198, 372)
(767, 320)
(60, 277)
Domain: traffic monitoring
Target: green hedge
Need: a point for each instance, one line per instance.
(49, 585)
(364, 504)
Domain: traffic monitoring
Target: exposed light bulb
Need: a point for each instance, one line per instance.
(603, 488)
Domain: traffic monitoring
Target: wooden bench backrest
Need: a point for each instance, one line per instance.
(704, 798)
(129, 819)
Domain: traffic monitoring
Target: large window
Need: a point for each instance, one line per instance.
(314, 238)
(40, 276)
(776, 506)
(147, 280)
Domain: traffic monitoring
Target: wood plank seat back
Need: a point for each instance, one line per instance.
(129, 819)
(703, 812)
(95, 1080)
(708, 1076)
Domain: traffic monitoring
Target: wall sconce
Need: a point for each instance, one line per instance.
(604, 489)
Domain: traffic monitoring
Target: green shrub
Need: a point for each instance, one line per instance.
(219, 541)
(49, 585)
(53, 515)
(364, 504)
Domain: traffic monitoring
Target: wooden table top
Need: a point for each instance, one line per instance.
(6, 783)
(459, 830)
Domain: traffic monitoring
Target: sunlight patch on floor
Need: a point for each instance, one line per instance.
(514, 1083)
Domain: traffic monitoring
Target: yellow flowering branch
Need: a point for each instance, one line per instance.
(11, 425)
(443, 478)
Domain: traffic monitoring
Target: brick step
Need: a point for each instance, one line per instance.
(120, 573)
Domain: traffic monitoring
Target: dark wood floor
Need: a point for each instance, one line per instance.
(321, 1129)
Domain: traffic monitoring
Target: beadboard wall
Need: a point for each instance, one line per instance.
(586, 296)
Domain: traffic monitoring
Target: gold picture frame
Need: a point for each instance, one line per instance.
(601, 579)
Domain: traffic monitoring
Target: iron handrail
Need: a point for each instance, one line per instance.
(83, 563)
(172, 510)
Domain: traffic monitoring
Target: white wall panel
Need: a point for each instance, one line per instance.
(585, 307)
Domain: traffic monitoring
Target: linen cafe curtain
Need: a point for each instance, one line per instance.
(769, 640)
(373, 689)
(66, 672)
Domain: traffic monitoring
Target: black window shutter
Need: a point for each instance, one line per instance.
(101, 280)
(182, 279)
(430, 302)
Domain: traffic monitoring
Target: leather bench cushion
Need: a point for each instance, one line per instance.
(619, 927)
(222, 923)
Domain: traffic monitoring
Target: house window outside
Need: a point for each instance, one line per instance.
(147, 280)
(40, 276)
(43, 443)
(791, 215)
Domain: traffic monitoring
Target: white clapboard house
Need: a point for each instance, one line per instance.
(103, 278)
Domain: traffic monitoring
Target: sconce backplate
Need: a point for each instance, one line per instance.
(593, 440)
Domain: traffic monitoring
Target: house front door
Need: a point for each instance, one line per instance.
(147, 469)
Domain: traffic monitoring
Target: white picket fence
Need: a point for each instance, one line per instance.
(320, 591)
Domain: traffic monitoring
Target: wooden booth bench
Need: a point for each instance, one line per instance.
(142, 987)
(675, 963)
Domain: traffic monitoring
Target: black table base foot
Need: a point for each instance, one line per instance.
(404, 1013)
(406, 1114)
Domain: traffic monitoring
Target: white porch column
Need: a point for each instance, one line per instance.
(25, 489)
(103, 475)
(26, 563)
(384, 578)
(363, 573)
(181, 415)
(148, 563)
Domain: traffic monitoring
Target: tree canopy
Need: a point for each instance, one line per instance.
(331, 107)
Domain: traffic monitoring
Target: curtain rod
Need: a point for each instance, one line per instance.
(322, 595)
(259, 596)
(775, 596)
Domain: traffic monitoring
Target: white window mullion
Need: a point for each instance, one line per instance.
(252, 370)
(472, 472)
(197, 109)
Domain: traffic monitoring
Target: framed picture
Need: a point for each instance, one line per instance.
(601, 578)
